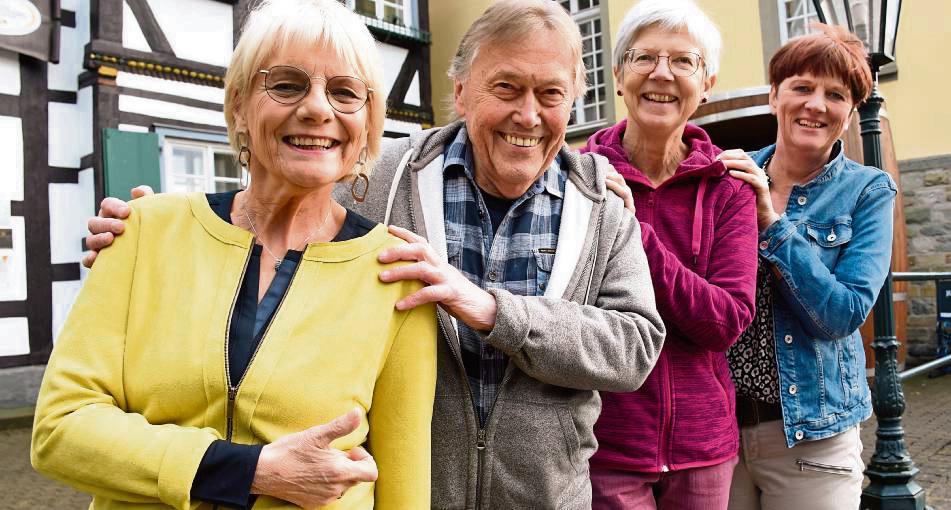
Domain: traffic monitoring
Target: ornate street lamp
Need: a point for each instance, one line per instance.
(891, 470)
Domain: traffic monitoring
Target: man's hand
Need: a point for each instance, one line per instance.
(616, 183)
(108, 223)
(303, 469)
(445, 284)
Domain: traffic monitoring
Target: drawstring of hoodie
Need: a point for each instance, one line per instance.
(698, 220)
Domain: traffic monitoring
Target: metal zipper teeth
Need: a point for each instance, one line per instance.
(233, 390)
(825, 468)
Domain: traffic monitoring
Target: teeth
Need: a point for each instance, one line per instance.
(304, 141)
(522, 141)
(661, 98)
(809, 124)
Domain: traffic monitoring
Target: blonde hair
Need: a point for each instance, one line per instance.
(276, 24)
(513, 20)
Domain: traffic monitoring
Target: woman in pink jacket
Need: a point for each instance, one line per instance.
(674, 442)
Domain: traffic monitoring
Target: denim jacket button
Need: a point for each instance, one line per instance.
(787, 339)
(792, 389)
(831, 237)
(801, 200)
(799, 434)
(763, 245)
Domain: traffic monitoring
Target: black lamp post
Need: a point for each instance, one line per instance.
(891, 470)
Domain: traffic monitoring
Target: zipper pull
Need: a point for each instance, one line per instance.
(480, 443)
(232, 393)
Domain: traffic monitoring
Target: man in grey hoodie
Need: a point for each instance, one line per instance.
(544, 291)
(541, 278)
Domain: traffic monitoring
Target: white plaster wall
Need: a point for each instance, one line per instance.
(399, 126)
(132, 36)
(189, 90)
(70, 206)
(199, 30)
(14, 336)
(392, 57)
(412, 93)
(70, 130)
(64, 295)
(13, 269)
(133, 128)
(9, 73)
(167, 110)
(11, 157)
(65, 75)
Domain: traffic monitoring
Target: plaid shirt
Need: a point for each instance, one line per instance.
(517, 258)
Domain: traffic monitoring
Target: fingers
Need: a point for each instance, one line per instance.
(112, 207)
(733, 154)
(430, 294)
(357, 453)
(338, 427)
(97, 225)
(414, 252)
(406, 235)
(423, 271)
(96, 242)
(363, 470)
(89, 259)
(622, 190)
(141, 191)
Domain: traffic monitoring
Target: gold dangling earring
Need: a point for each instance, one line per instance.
(244, 159)
(361, 176)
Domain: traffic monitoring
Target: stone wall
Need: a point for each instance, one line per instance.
(926, 187)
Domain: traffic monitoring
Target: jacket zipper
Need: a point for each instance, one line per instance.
(665, 423)
(823, 468)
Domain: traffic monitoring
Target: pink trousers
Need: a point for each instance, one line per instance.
(703, 488)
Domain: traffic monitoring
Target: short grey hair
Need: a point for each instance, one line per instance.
(673, 15)
(513, 20)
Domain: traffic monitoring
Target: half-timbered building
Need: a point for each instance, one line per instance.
(99, 95)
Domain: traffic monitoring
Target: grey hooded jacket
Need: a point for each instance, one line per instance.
(596, 328)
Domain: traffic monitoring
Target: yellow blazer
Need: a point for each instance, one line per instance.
(135, 390)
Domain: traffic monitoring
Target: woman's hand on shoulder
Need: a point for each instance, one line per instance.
(615, 182)
(303, 469)
(742, 166)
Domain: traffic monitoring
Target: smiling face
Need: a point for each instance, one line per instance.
(661, 102)
(307, 144)
(812, 112)
(516, 101)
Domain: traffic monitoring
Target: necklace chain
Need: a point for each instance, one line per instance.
(279, 260)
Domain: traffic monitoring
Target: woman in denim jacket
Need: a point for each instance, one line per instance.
(824, 249)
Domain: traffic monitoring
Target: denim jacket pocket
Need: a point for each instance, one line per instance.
(828, 238)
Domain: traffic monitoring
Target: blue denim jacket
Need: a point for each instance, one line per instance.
(830, 251)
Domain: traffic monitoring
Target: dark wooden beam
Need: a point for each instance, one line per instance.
(106, 20)
(67, 272)
(9, 105)
(150, 27)
(171, 98)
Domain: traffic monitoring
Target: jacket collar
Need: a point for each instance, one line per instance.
(829, 171)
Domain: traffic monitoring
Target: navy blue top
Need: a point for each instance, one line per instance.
(227, 469)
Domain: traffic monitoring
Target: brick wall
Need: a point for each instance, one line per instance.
(926, 186)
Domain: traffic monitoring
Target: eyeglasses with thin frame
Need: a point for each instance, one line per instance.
(685, 63)
(288, 85)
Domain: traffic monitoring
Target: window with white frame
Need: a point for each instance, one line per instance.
(190, 165)
(397, 12)
(591, 108)
(795, 16)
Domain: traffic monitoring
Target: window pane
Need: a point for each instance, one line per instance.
(393, 14)
(583, 4)
(225, 165)
(566, 4)
(185, 184)
(187, 160)
(226, 186)
(366, 7)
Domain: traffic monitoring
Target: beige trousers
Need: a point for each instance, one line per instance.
(813, 475)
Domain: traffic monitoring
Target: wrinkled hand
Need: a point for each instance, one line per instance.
(616, 183)
(303, 468)
(445, 284)
(745, 169)
(108, 223)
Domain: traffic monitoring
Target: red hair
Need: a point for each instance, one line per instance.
(833, 52)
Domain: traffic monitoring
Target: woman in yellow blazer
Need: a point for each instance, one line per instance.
(220, 331)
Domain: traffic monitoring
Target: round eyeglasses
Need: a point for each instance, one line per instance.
(288, 85)
(683, 64)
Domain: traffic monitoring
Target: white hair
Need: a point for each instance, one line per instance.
(673, 15)
(315, 24)
(513, 20)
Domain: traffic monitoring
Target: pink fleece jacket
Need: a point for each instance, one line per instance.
(699, 232)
